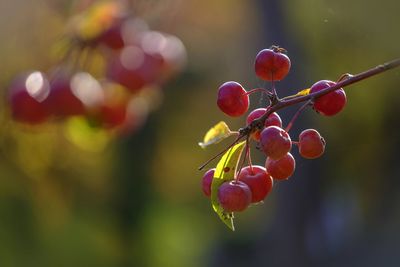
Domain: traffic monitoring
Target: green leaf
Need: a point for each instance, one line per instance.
(225, 171)
(216, 134)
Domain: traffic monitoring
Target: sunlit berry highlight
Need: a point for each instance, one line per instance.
(232, 99)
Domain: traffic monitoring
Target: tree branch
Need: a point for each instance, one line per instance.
(282, 103)
(277, 104)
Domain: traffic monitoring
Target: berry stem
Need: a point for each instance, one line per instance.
(246, 154)
(275, 94)
(258, 90)
(301, 109)
(274, 97)
(222, 152)
(250, 161)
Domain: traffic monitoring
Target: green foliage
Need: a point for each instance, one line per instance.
(225, 171)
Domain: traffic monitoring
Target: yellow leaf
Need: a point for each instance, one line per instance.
(225, 171)
(217, 133)
(303, 92)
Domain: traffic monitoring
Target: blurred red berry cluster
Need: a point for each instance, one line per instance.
(135, 64)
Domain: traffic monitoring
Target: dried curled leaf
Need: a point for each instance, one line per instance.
(225, 171)
(216, 134)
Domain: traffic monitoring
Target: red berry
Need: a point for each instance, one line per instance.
(169, 49)
(273, 119)
(232, 99)
(255, 114)
(275, 142)
(62, 101)
(174, 56)
(331, 103)
(282, 168)
(113, 115)
(272, 64)
(87, 89)
(112, 111)
(258, 180)
(112, 36)
(311, 144)
(133, 68)
(207, 181)
(27, 94)
(234, 196)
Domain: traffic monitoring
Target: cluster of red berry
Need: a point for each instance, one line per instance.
(252, 183)
(132, 59)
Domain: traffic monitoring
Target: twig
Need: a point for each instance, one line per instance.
(222, 152)
(290, 124)
(282, 103)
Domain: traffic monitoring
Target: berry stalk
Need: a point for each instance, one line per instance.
(300, 110)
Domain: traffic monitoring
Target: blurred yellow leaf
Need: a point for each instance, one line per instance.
(217, 133)
(97, 19)
(80, 133)
(225, 171)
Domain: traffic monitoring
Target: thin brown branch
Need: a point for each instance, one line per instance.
(282, 103)
(299, 111)
(277, 104)
(222, 152)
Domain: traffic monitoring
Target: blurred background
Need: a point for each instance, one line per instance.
(74, 196)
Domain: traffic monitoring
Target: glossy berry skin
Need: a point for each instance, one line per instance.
(272, 65)
(275, 142)
(232, 99)
(234, 196)
(282, 168)
(273, 119)
(331, 103)
(207, 181)
(258, 180)
(26, 96)
(311, 144)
